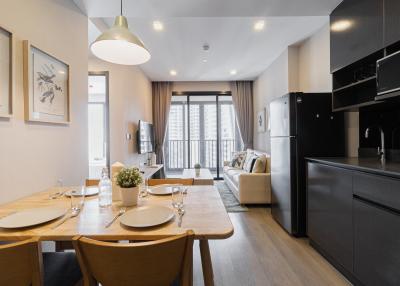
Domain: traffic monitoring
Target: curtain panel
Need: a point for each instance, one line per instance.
(242, 97)
(162, 93)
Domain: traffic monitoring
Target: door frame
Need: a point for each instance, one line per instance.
(189, 94)
(106, 74)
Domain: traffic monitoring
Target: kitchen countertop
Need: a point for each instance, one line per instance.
(370, 165)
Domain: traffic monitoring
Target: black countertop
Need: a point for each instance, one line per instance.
(370, 165)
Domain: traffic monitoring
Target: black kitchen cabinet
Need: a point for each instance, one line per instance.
(392, 22)
(329, 203)
(376, 244)
(356, 31)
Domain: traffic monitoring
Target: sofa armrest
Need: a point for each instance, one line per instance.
(254, 188)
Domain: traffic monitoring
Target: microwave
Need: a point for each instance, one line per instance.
(388, 76)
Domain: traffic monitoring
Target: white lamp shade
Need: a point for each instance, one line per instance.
(118, 45)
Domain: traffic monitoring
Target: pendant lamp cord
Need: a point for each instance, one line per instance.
(121, 7)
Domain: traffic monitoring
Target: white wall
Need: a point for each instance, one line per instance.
(130, 100)
(304, 67)
(314, 63)
(271, 84)
(34, 156)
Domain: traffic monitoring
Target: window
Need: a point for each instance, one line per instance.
(98, 124)
(201, 129)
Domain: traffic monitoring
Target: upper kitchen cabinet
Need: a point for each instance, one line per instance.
(392, 22)
(356, 31)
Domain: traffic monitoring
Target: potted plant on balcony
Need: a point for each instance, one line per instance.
(129, 179)
(197, 168)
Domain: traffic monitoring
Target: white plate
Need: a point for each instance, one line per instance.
(90, 191)
(147, 216)
(162, 190)
(31, 217)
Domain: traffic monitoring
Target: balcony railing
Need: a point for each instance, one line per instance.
(177, 153)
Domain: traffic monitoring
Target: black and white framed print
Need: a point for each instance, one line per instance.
(46, 87)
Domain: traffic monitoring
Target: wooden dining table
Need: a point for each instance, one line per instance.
(205, 215)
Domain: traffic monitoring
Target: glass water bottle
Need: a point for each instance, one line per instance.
(105, 189)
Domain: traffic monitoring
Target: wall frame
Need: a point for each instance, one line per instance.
(6, 73)
(46, 87)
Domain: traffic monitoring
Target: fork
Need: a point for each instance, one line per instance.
(120, 213)
(74, 213)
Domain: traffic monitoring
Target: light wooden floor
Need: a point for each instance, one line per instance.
(261, 253)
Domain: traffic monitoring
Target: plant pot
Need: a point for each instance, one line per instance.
(197, 171)
(129, 196)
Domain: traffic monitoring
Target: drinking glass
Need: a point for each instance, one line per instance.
(177, 197)
(78, 198)
(143, 188)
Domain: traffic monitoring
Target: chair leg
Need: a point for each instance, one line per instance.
(206, 263)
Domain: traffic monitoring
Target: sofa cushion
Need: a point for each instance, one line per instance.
(232, 172)
(235, 179)
(238, 160)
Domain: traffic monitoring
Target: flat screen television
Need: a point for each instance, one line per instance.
(145, 137)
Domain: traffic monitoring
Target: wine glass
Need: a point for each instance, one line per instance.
(177, 197)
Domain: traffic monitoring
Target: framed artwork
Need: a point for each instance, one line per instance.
(261, 117)
(6, 73)
(46, 87)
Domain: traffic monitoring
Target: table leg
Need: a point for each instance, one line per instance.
(206, 263)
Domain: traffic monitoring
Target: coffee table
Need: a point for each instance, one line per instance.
(205, 177)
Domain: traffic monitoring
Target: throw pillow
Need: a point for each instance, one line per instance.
(250, 161)
(249, 157)
(260, 164)
(238, 160)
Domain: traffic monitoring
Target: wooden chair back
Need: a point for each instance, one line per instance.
(155, 182)
(20, 263)
(92, 182)
(155, 263)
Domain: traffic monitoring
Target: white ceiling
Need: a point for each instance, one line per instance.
(226, 25)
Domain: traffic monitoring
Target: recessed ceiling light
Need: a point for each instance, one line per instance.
(341, 25)
(205, 60)
(173, 72)
(233, 72)
(259, 25)
(158, 26)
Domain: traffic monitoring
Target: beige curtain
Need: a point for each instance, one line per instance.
(162, 93)
(242, 97)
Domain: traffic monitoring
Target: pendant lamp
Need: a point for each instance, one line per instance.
(119, 46)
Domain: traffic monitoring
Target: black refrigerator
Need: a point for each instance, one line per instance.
(301, 125)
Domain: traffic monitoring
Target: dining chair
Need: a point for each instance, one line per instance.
(22, 263)
(155, 182)
(155, 263)
(91, 182)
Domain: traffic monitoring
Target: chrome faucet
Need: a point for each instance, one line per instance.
(381, 150)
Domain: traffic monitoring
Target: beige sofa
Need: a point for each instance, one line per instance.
(249, 188)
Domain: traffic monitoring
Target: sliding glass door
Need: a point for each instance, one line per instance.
(202, 129)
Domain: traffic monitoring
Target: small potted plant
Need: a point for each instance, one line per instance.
(129, 179)
(197, 168)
